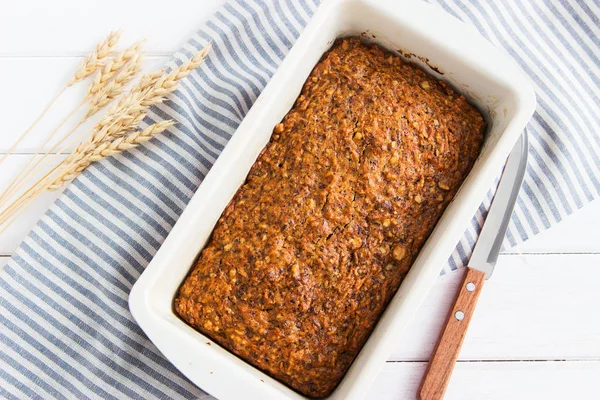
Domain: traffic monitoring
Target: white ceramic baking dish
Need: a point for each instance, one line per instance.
(472, 65)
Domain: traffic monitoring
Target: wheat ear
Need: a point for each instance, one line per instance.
(69, 171)
(121, 119)
(90, 64)
(152, 89)
(108, 149)
(123, 68)
(112, 66)
(168, 83)
(93, 61)
(129, 111)
(114, 88)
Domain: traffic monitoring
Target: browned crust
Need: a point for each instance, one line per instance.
(316, 242)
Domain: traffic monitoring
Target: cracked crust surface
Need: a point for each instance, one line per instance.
(313, 246)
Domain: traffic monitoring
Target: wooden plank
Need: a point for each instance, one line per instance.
(533, 308)
(34, 90)
(70, 27)
(495, 381)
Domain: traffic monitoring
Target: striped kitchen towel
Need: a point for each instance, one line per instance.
(66, 327)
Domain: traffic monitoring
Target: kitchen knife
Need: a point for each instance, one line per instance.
(481, 265)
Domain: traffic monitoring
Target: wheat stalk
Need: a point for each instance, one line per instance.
(90, 64)
(27, 169)
(130, 109)
(113, 133)
(115, 87)
(113, 65)
(168, 83)
(68, 171)
(24, 134)
(122, 69)
(107, 149)
(93, 61)
(114, 124)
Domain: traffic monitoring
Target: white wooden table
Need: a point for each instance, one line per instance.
(536, 332)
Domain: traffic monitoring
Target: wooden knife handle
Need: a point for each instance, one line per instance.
(448, 347)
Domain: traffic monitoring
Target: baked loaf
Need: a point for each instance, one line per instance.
(313, 246)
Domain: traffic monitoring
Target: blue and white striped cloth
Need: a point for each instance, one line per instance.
(66, 330)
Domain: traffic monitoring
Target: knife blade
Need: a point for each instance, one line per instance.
(487, 248)
(480, 267)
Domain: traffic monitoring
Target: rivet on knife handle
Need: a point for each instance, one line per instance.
(446, 352)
